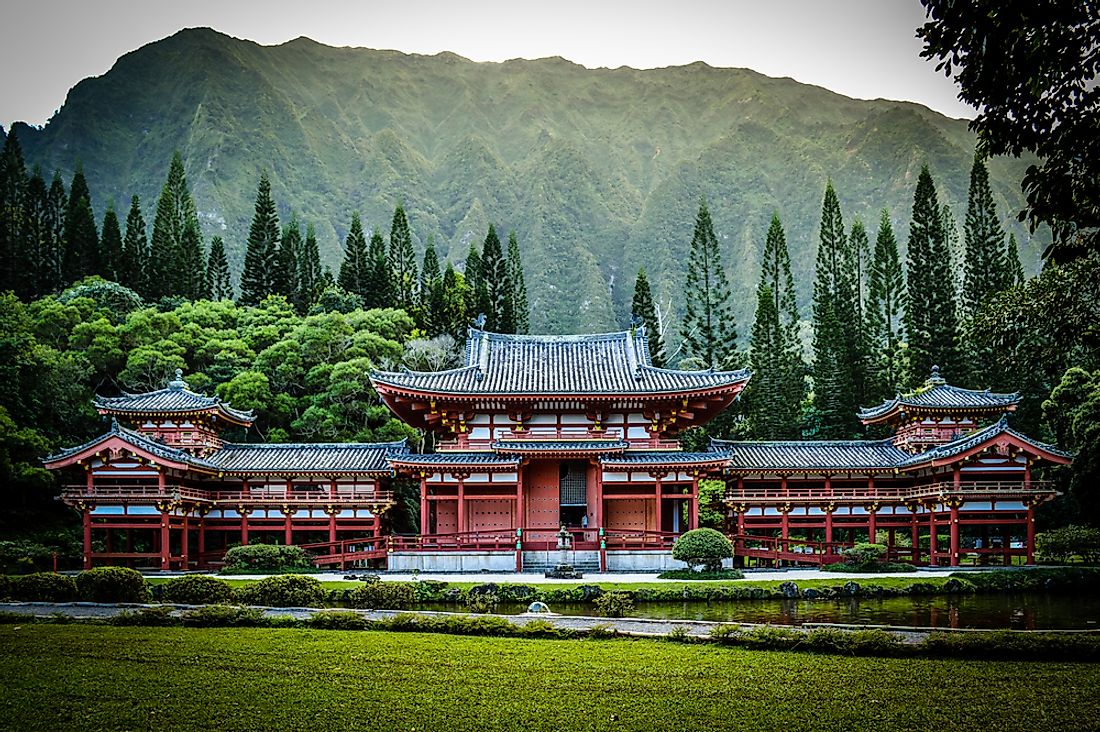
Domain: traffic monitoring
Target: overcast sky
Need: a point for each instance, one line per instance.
(860, 48)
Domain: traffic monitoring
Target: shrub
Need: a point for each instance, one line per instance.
(615, 604)
(266, 558)
(6, 586)
(285, 590)
(706, 547)
(480, 603)
(43, 587)
(690, 574)
(379, 595)
(197, 589)
(223, 616)
(337, 620)
(679, 634)
(112, 584)
(602, 631)
(1060, 545)
(147, 616)
(864, 555)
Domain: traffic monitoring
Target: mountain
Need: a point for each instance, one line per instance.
(598, 171)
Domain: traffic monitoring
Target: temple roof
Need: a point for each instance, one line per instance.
(811, 455)
(956, 447)
(485, 460)
(607, 363)
(938, 395)
(176, 398)
(658, 457)
(348, 457)
(525, 446)
(138, 441)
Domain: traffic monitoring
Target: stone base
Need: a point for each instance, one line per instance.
(467, 561)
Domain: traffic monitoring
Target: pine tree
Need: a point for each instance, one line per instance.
(257, 277)
(110, 244)
(454, 295)
(764, 405)
(1014, 271)
(859, 262)
(309, 271)
(517, 286)
(135, 251)
(836, 324)
(985, 243)
(402, 261)
(52, 272)
(354, 268)
(931, 319)
(81, 239)
(641, 305)
(956, 251)
(886, 296)
(775, 275)
(37, 233)
(430, 292)
(176, 262)
(217, 271)
(709, 331)
(477, 295)
(13, 192)
(379, 279)
(285, 281)
(494, 276)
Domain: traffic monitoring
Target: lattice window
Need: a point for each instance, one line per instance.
(574, 486)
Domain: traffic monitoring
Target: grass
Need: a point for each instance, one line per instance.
(106, 678)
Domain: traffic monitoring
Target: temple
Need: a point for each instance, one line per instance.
(558, 446)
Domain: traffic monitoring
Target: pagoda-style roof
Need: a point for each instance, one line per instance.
(939, 397)
(175, 399)
(606, 364)
(140, 443)
(442, 461)
(811, 455)
(950, 451)
(325, 458)
(578, 447)
(651, 459)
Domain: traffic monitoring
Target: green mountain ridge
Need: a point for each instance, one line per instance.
(598, 171)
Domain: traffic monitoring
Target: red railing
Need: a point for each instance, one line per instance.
(101, 492)
(564, 434)
(343, 552)
(640, 539)
(502, 540)
(777, 549)
(810, 494)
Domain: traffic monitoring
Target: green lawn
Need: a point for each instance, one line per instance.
(79, 677)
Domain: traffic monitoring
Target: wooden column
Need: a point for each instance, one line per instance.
(954, 559)
(425, 510)
(332, 526)
(915, 539)
(599, 500)
(288, 528)
(162, 488)
(829, 524)
(521, 502)
(202, 539)
(244, 528)
(1030, 534)
(695, 502)
(932, 536)
(86, 516)
(165, 546)
(183, 539)
(332, 488)
(461, 505)
(872, 523)
(659, 502)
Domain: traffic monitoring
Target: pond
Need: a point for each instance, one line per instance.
(1023, 611)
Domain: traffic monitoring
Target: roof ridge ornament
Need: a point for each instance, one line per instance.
(483, 355)
(935, 379)
(178, 384)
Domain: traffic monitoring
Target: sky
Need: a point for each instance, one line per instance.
(860, 48)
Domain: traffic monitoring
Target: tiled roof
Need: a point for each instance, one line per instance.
(938, 394)
(510, 446)
(176, 397)
(967, 442)
(484, 459)
(609, 363)
(658, 457)
(347, 457)
(811, 455)
(138, 441)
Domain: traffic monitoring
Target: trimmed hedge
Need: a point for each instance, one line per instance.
(43, 587)
(266, 558)
(197, 589)
(383, 596)
(112, 584)
(285, 590)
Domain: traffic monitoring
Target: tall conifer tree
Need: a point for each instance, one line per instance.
(985, 243)
(176, 262)
(430, 294)
(110, 244)
(709, 331)
(354, 268)
(517, 286)
(379, 279)
(494, 276)
(477, 297)
(309, 271)
(53, 278)
(258, 277)
(402, 260)
(642, 306)
(1014, 271)
(836, 324)
(217, 269)
(764, 405)
(286, 260)
(81, 237)
(37, 234)
(931, 319)
(13, 192)
(885, 304)
(454, 291)
(135, 251)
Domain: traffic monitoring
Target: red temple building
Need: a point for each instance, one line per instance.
(556, 449)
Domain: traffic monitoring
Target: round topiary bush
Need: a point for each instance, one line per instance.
(112, 584)
(43, 587)
(197, 589)
(865, 555)
(285, 590)
(706, 547)
(383, 596)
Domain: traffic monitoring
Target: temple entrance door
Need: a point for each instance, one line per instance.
(573, 493)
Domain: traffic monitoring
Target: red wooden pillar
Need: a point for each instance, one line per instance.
(332, 525)
(829, 524)
(599, 503)
(244, 526)
(165, 545)
(425, 514)
(932, 536)
(202, 539)
(332, 488)
(521, 503)
(695, 502)
(86, 516)
(288, 528)
(872, 523)
(784, 524)
(183, 539)
(954, 560)
(1030, 534)
(461, 505)
(658, 502)
(915, 538)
